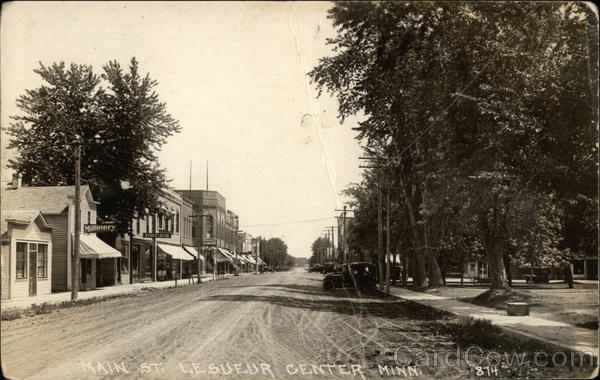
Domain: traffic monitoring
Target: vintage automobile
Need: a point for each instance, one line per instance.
(329, 268)
(360, 275)
(540, 275)
(316, 268)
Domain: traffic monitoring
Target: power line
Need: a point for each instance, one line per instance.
(295, 222)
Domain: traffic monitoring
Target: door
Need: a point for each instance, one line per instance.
(32, 269)
(83, 269)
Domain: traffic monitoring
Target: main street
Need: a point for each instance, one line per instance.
(271, 325)
(282, 323)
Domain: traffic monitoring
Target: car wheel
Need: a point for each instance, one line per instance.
(329, 286)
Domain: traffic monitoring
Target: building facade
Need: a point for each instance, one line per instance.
(98, 261)
(26, 254)
(219, 228)
(157, 252)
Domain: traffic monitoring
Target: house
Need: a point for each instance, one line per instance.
(98, 261)
(26, 254)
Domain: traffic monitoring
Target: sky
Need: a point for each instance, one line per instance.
(234, 75)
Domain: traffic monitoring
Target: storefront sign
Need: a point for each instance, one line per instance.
(157, 235)
(89, 228)
(209, 241)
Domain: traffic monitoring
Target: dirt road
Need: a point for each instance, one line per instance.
(275, 325)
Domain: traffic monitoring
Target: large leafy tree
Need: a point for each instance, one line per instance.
(319, 248)
(475, 102)
(116, 118)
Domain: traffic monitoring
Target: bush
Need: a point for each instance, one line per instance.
(11, 314)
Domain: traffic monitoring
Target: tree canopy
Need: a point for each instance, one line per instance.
(116, 118)
(480, 117)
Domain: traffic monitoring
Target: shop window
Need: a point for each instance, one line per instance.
(42, 260)
(21, 260)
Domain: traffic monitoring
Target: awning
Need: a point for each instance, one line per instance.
(175, 251)
(91, 247)
(251, 260)
(226, 253)
(192, 251)
(220, 257)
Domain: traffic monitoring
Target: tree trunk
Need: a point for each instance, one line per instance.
(435, 274)
(394, 270)
(507, 266)
(462, 269)
(443, 268)
(568, 271)
(494, 247)
(495, 254)
(405, 271)
(419, 275)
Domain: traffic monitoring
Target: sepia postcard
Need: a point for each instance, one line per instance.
(299, 190)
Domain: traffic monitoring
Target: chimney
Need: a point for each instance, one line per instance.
(17, 181)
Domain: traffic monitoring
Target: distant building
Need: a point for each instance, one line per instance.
(218, 240)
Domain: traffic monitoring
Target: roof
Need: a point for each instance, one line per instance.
(47, 199)
(25, 217)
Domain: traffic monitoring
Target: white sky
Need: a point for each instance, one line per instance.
(233, 74)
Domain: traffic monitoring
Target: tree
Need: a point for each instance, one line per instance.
(319, 248)
(274, 252)
(120, 127)
(480, 92)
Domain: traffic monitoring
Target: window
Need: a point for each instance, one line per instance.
(160, 222)
(21, 260)
(89, 217)
(137, 226)
(147, 223)
(42, 260)
(193, 231)
(177, 222)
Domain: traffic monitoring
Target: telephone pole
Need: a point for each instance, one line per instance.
(379, 235)
(75, 258)
(387, 244)
(344, 234)
(380, 255)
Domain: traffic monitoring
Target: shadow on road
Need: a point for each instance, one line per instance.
(314, 290)
(353, 304)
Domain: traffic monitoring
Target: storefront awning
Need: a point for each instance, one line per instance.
(175, 252)
(91, 247)
(192, 251)
(226, 253)
(251, 260)
(221, 257)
